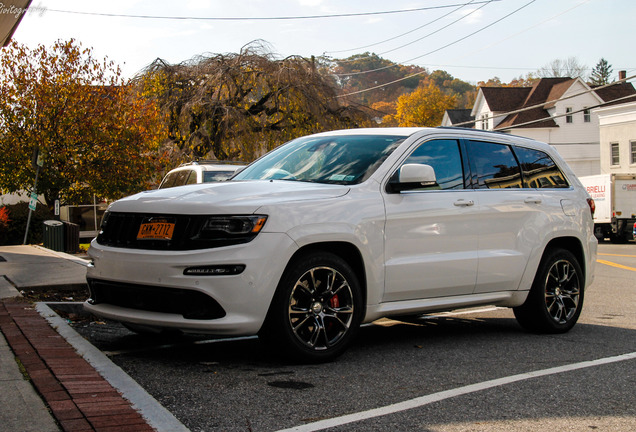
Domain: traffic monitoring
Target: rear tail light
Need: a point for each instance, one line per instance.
(592, 205)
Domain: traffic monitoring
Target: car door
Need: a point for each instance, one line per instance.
(511, 218)
(431, 246)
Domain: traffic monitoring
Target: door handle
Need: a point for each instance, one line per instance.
(464, 203)
(532, 200)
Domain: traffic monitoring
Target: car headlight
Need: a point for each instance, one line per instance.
(228, 230)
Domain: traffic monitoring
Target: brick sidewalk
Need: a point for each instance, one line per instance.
(79, 398)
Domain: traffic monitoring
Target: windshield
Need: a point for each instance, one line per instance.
(346, 159)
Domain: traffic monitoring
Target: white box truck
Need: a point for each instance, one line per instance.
(615, 198)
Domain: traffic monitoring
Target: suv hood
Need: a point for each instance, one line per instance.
(240, 197)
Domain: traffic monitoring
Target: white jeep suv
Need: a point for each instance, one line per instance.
(336, 229)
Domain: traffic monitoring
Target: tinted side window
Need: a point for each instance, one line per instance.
(493, 166)
(169, 181)
(182, 176)
(445, 158)
(539, 170)
(192, 177)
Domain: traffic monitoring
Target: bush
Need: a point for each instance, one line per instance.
(4, 224)
(12, 232)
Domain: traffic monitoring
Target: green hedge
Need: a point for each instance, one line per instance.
(12, 233)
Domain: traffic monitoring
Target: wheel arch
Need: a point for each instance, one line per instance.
(571, 244)
(345, 250)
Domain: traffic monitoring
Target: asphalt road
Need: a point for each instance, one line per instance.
(473, 370)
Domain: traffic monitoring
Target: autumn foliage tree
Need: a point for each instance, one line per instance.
(96, 132)
(423, 107)
(236, 106)
(364, 71)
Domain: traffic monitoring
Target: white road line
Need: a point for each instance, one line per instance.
(436, 397)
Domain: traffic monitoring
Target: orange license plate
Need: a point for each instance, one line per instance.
(159, 229)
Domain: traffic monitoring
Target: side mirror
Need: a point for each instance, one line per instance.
(413, 176)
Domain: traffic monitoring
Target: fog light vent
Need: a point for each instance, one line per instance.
(215, 270)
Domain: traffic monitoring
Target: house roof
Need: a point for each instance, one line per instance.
(9, 21)
(504, 98)
(543, 93)
(461, 116)
(613, 95)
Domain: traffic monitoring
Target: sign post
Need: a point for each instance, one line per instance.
(39, 158)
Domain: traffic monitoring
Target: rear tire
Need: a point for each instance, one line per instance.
(316, 310)
(556, 298)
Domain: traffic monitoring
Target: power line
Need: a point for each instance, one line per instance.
(565, 114)
(445, 46)
(500, 41)
(438, 30)
(301, 17)
(431, 52)
(408, 32)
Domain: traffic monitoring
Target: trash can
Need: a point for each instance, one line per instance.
(53, 236)
(71, 237)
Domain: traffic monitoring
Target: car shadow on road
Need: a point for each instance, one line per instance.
(433, 335)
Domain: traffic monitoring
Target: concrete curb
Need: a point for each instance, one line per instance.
(63, 255)
(151, 410)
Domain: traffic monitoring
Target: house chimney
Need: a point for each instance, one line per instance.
(622, 75)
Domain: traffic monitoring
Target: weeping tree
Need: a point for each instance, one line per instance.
(237, 106)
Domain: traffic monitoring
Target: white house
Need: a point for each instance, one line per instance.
(559, 111)
(618, 138)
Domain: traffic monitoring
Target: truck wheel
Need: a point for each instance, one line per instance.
(556, 297)
(316, 310)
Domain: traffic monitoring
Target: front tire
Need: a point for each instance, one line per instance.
(556, 298)
(316, 310)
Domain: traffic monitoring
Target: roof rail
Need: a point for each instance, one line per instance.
(212, 161)
(457, 128)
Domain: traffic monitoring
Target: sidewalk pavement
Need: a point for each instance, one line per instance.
(45, 385)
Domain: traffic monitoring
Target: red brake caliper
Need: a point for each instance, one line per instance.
(334, 302)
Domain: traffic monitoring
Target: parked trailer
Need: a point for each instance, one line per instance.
(615, 198)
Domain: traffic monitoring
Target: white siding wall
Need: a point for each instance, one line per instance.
(578, 131)
(617, 125)
(482, 110)
(583, 158)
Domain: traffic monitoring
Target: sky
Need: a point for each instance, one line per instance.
(475, 42)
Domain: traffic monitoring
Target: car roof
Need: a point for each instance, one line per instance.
(399, 131)
(208, 167)
(466, 133)
(409, 131)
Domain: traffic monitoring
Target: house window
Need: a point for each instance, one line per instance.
(633, 149)
(568, 117)
(616, 160)
(484, 121)
(586, 115)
